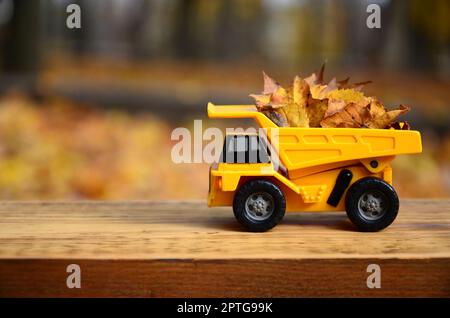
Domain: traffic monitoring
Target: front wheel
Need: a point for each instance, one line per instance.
(371, 204)
(259, 205)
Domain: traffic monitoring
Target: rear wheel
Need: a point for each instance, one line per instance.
(259, 205)
(371, 204)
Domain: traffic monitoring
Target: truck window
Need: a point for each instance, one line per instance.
(245, 149)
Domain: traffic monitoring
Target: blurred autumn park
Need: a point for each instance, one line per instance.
(88, 113)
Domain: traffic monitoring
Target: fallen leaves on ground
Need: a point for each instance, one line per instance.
(309, 102)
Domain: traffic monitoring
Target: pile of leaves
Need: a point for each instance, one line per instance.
(309, 102)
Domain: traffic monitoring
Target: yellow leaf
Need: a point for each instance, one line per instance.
(318, 91)
(296, 110)
(261, 100)
(279, 98)
(316, 110)
(348, 95)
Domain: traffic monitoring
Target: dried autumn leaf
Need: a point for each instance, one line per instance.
(270, 85)
(261, 100)
(353, 115)
(399, 125)
(348, 95)
(279, 98)
(316, 77)
(321, 72)
(343, 83)
(311, 80)
(359, 113)
(359, 86)
(385, 119)
(332, 85)
(318, 91)
(334, 106)
(296, 110)
(316, 110)
(376, 109)
(277, 116)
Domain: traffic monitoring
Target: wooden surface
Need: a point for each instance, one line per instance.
(184, 249)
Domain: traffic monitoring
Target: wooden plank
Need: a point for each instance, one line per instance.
(183, 249)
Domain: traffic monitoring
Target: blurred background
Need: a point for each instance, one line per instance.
(87, 113)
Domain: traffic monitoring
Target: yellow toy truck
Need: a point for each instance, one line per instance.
(319, 169)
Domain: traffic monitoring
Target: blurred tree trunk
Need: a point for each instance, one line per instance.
(184, 46)
(21, 59)
(23, 41)
(80, 37)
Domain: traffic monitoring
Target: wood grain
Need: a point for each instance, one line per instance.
(183, 249)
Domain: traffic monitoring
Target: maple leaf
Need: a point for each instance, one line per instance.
(270, 85)
(343, 83)
(353, 115)
(359, 86)
(316, 110)
(261, 100)
(334, 106)
(274, 96)
(296, 110)
(279, 98)
(382, 120)
(348, 95)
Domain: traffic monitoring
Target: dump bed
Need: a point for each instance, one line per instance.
(300, 148)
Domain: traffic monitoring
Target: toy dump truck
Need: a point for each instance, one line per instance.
(318, 169)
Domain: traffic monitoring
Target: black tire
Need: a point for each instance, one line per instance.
(371, 204)
(259, 205)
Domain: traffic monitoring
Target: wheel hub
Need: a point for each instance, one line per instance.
(259, 206)
(372, 205)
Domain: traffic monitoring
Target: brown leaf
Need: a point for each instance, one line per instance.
(343, 83)
(261, 100)
(376, 109)
(311, 80)
(358, 112)
(382, 121)
(279, 98)
(277, 116)
(321, 72)
(353, 115)
(399, 125)
(359, 86)
(316, 77)
(332, 85)
(316, 110)
(334, 106)
(270, 85)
